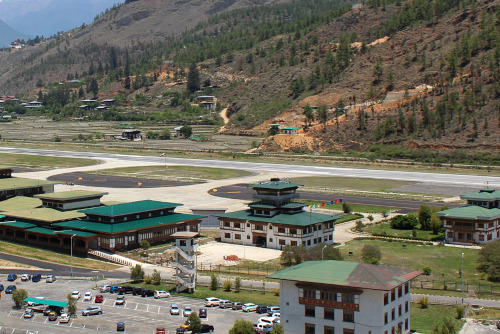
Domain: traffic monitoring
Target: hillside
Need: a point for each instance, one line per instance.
(8, 35)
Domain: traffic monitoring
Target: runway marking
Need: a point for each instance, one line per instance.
(233, 192)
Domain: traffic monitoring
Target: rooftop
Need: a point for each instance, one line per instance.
(275, 184)
(44, 215)
(349, 274)
(183, 235)
(129, 225)
(18, 182)
(486, 194)
(20, 203)
(296, 219)
(73, 194)
(18, 224)
(470, 212)
(129, 208)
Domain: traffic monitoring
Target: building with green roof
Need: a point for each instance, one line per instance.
(275, 220)
(476, 223)
(72, 200)
(344, 297)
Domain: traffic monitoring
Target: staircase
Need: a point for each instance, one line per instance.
(183, 254)
(112, 257)
(182, 268)
(183, 284)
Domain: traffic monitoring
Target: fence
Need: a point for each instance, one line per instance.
(258, 270)
(469, 288)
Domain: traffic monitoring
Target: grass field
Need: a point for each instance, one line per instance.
(385, 229)
(442, 260)
(42, 162)
(424, 320)
(50, 256)
(182, 173)
(351, 183)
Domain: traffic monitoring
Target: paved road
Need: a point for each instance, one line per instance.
(47, 268)
(242, 192)
(275, 168)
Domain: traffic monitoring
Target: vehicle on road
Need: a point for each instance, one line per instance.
(224, 303)
(249, 307)
(99, 299)
(161, 294)
(28, 313)
(64, 318)
(11, 277)
(237, 305)
(10, 288)
(120, 326)
(87, 297)
(120, 300)
(174, 309)
(187, 311)
(25, 277)
(36, 278)
(50, 279)
(272, 309)
(206, 328)
(52, 316)
(105, 288)
(147, 293)
(261, 309)
(202, 313)
(92, 310)
(125, 289)
(212, 301)
(36, 303)
(75, 295)
(160, 330)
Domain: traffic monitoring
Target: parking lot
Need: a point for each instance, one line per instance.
(140, 314)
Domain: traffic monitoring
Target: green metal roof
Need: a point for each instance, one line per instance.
(296, 219)
(41, 230)
(46, 302)
(289, 128)
(486, 194)
(2, 217)
(45, 215)
(344, 273)
(261, 206)
(274, 184)
(71, 194)
(293, 205)
(18, 224)
(20, 203)
(77, 233)
(129, 208)
(18, 182)
(470, 212)
(129, 225)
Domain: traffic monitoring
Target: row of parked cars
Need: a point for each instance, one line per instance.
(28, 277)
(136, 291)
(247, 307)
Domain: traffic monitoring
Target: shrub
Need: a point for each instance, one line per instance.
(214, 282)
(148, 279)
(424, 217)
(18, 296)
(144, 244)
(460, 311)
(423, 302)
(488, 261)
(156, 277)
(237, 284)
(136, 273)
(346, 208)
(370, 218)
(427, 270)
(371, 252)
(404, 222)
(277, 292)
(228, 285)
(359, 226)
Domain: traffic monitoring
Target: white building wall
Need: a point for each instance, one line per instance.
(369, 320)
(82, 204)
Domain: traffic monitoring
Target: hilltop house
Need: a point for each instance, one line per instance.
(476, 223)
(206, 102)
(274, 220)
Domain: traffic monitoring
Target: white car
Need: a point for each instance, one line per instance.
(269, 320)
(212, 301)
(87, 297)
(174, 309)
(187, 311)
(25, 277)
(36, 303)
(249, 307)
(75, 294)
(161, 294)
(105, 288)
(64, 318)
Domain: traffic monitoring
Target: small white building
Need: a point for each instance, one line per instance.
(71, 200)
(333, 297)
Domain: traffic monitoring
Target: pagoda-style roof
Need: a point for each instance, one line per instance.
(275, 184)
(129, 208)
(486, 194)
(470, 212)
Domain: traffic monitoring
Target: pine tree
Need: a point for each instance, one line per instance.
(193, 79)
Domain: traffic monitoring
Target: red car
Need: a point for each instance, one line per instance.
(160, 330)
(98, 299)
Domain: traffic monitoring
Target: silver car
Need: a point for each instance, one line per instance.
(92, 310)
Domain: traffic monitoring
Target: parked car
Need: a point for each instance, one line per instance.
(105, 288)
(187, 311)
(272, 309)
(50, 279)
(120, 326)
(249, 307)
(261, 309)
(36, 278)
(161, 294)
(137, 291)
(120, 300)
(205, 328)
(180, 330)
(11, 277)
(92, 310)
(224, 303)
(212, 301)
(125, 289)
(75, 294)
(10, 288)
(52, 316)
(269, 320)
(98, 299)
(498, 324)
(114, 288)
(28, 313)
(36, 303)
(237, 305)
(1, 287)
(160, 330)
(276, 315)
(64, 318)
(174, 309)
(25, 277)
(147, 293)
(87, 297)
(263, 328)
(202, 313)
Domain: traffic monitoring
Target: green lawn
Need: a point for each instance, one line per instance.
(351, 183)
(42, 162)
(386, 230)
(183, 173)
(424, 320)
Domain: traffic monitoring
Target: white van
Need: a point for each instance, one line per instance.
(50, 279)
(161, 294)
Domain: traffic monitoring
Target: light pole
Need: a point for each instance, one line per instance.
(462, 278)
(71, 251)
(322, 249)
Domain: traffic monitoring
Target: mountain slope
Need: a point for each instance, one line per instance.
(8, 34)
